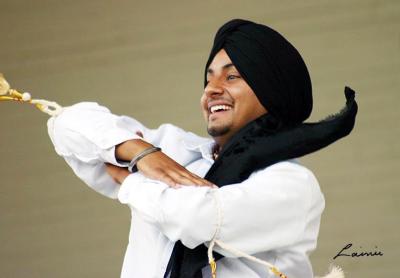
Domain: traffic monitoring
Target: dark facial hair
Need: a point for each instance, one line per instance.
(215, 132)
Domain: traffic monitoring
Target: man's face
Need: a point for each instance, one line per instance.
(228, 103)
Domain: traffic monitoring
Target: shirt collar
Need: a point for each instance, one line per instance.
(201, 145)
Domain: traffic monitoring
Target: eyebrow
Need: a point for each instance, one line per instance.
(223, 67)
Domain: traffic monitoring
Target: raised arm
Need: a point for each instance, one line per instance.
(87, 135)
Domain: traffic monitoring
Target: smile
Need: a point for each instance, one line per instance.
(219, 108)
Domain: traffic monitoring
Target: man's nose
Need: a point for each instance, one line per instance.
(214, 87)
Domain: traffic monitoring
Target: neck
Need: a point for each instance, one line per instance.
(223, 139)
(220, 141)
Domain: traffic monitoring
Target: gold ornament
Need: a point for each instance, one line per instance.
(6, 93)
(4, 86)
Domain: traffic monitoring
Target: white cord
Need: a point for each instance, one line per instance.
(219, 221)
(335, 271)
(239, 253)
(50, 107)
(228, 248)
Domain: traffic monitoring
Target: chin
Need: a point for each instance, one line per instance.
(216, 131)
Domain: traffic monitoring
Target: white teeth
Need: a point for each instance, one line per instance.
(219, 107)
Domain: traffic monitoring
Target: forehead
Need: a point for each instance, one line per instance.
(220, 62)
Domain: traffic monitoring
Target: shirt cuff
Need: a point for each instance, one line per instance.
(143, 194)
(108, 155)
(128, 187)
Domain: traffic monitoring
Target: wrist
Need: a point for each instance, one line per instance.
(131, 148)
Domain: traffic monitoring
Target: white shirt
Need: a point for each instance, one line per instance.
(273, 215)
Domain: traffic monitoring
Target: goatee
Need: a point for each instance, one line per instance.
(218, 131)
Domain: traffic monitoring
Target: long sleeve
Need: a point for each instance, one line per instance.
(85, 135)
(272, 209)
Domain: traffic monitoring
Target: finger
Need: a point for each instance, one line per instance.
(171, 177)
(170, 172)
(204, 182)
(207, 183)
(192, 180)
(200, 181)
(182, 180)
(186, 173)
(167, 179)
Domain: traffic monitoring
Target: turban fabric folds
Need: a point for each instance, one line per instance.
(270, 65)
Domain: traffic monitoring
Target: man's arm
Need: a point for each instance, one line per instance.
(158, 165)
(270, 210)
(86, 134)
(75, 136)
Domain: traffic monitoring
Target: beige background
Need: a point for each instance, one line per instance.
(146, 60)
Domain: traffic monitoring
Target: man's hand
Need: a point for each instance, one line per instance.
(156, 166)
(159, 166)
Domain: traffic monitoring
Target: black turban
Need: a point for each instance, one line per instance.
(278, 76)
(270, 65)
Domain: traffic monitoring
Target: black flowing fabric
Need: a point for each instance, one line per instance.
(278, 76)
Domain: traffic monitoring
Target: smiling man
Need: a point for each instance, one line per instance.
(228, 102)
(241, 187)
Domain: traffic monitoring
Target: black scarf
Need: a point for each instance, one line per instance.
(276, 136)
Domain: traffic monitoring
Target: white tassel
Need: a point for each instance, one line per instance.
(335, 272)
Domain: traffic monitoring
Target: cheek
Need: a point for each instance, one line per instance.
(202, 106)
(243, 102)
(202, 100)
(248, 107)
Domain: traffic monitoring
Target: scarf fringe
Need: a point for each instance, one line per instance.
(335, 272)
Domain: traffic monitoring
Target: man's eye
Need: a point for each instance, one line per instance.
(231, 77)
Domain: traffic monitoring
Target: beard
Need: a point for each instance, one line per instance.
(218, 130)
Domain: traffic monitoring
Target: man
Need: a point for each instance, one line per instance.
(254, 196)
